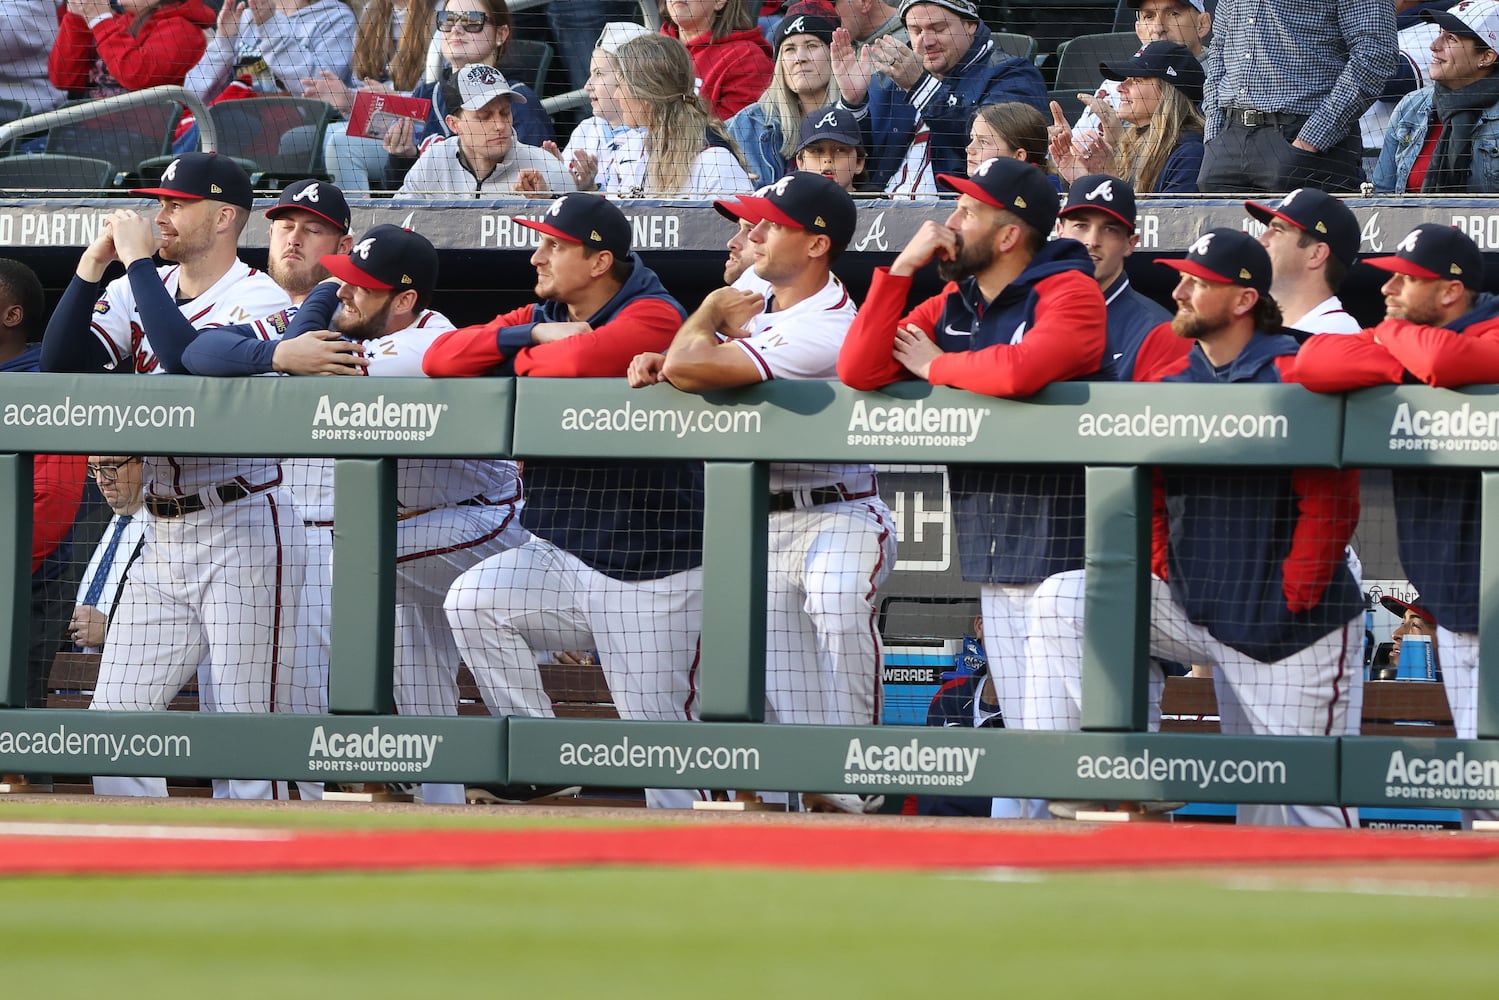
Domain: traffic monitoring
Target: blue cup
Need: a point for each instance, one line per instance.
(1417, 659)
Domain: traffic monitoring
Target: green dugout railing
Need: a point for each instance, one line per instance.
(1116, 431)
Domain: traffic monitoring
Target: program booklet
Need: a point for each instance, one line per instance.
(373, 114)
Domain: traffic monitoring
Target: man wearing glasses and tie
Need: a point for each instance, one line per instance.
(119, 481)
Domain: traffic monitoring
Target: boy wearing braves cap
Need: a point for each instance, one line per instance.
(1313, 240)
(481, 159)
(1100, 214)
(1017, 314)
(615, 563)
(182, 597)
(1440, 329)
(830, 144)
(1282, 628)
(831, 538)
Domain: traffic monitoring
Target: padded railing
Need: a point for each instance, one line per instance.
(1116, 431)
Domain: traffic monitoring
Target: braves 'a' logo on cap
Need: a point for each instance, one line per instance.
(986, 166)
(1286, 201)
(1104, 192)
(556, 208)
(779, 187)
(170, 173)
(1408, 244)
(797, 27)
(1200, 246)
(363, 247)
(829, 120)
(308, 193)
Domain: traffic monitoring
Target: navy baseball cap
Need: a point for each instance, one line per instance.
(1433, 250)
(1103, 193)
(204, 177)
(802, 200)
(1318, 213)
(1168, 61)
(321, 198)
(1398, 608)
(1226, 256)
(805, 19)
(387, 257)
(833, 123)
(1020, 188)
(588, 219)
(966, 9)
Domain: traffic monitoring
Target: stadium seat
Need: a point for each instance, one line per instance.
(527, 62)
(123, 138)
(1078, 59)
(281, 136)
(1019, 46)
(55, 172)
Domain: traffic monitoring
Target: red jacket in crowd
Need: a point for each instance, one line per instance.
(110, 58)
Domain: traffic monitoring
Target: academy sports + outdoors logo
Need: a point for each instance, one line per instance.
(1462, 428)
(371, 750)
(910, 763)
(376, 420)
(914, 424)
(1455, 778)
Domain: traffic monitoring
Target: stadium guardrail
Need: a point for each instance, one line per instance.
(1116, 431)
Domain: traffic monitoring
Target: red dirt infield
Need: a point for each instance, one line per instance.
(123, 849)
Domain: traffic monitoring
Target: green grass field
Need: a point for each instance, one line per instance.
(668, 933)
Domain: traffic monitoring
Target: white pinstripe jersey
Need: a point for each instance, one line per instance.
(242, 295)
(802, 343)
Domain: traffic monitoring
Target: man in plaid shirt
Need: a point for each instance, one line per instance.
(1286, 83)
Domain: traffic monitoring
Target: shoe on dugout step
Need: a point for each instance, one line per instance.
(841, 803)
(517, 794)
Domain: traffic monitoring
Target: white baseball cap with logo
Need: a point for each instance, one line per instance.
(479, 84)
(616, 33)
(1475, 19)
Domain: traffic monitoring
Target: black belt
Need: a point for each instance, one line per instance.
(1250, 118)
(780, 502)
(191, 504)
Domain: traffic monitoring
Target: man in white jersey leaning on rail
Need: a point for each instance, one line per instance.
(831, 540)
(224, 552)
(452, 512)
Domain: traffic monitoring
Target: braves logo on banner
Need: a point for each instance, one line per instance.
(363, 248)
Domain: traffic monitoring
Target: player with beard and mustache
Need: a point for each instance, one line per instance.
(1017, 314)
(1250, 570)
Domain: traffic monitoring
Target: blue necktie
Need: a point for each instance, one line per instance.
(101, 573)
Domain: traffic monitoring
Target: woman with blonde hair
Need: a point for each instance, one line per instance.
(685, 150)
(1161, 150)
(801, 82)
